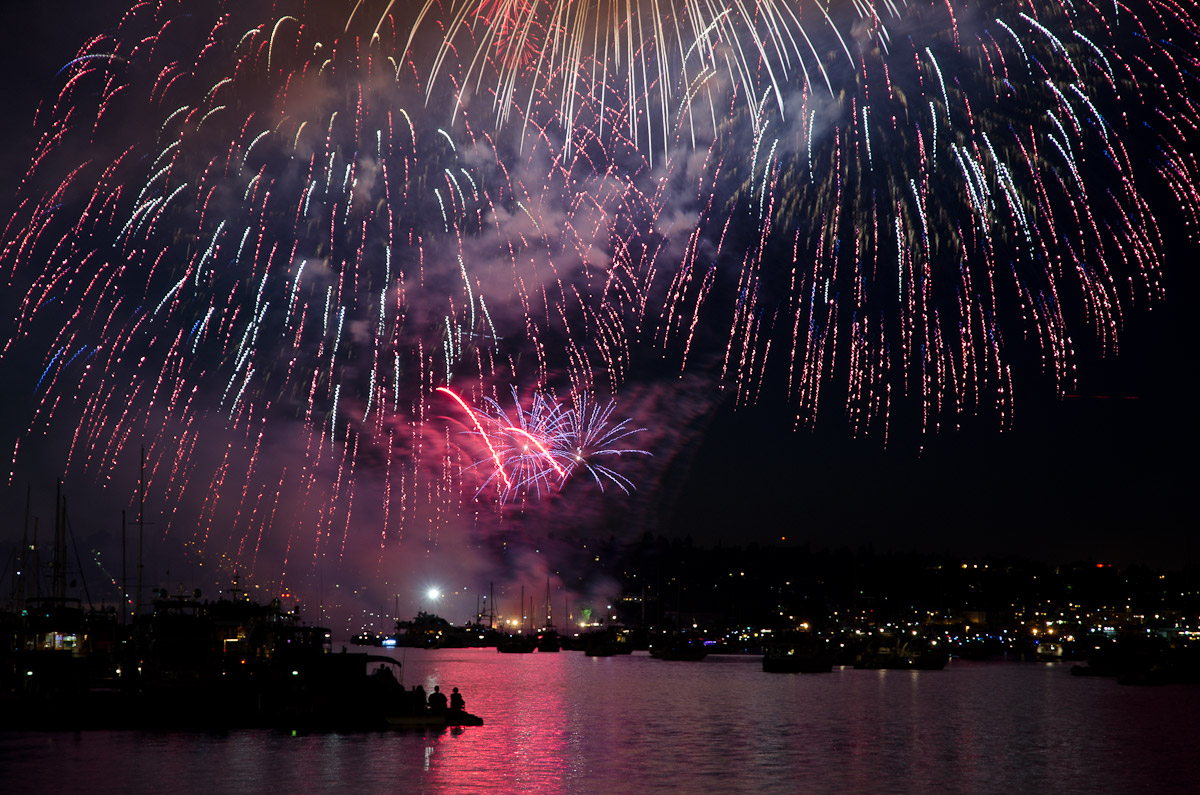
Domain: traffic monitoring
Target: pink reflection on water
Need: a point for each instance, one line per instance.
(524, 701)
(567, 723)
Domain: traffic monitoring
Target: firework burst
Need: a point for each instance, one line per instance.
(535, 450)
(257, 238)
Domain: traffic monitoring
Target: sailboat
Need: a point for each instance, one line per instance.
(548, 639)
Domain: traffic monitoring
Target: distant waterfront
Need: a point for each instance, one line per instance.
(569, 723)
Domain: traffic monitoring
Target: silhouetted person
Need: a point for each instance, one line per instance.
(456, 701)
(418, 697)
(384, 676)
(437, 700)
(385, 687)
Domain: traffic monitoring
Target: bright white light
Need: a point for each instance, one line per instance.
(433, 593)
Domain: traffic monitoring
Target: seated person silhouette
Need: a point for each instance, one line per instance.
(437, 700)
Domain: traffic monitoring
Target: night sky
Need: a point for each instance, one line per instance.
(1106, 473)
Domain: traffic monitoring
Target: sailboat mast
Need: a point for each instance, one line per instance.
(124, 578)
(36, 566)
(23, 559)
(57, 572)
(141, 528)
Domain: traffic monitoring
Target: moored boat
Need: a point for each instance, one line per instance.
(801, 654)
(898, 651)
(516, 644)
(433, 720)
(548, 640)
(680, 649)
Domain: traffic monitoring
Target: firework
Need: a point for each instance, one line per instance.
(282, 259)
(591, 436)
(258, 238)
(892, 203)
(535, 450)
(654, 69)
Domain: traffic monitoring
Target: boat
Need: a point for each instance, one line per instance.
(367, 639)
(1049, 651)
(601, 644)
(799, 654)
(409, 709)
(548, 640)
(516, 644)
(426, 631)
(52, 649)
(680, 649)
(229, 664)
(433, 720)
(900, 651)
(689, 653)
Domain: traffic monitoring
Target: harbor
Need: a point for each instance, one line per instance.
(189, 664)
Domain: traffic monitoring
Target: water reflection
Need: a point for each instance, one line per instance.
(570, 723)
(523, 752)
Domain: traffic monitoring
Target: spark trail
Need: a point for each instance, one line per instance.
(537, 449)
(259, 238)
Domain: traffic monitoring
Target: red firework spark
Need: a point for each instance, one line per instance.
(515, 30)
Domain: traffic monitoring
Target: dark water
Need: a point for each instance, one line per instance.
(568, 723)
